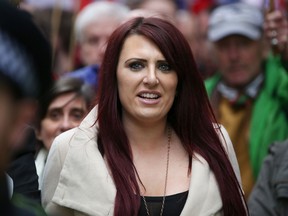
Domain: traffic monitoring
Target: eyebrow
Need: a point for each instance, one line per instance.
(135, 59)
(78, 109)
(68, 102)
(144, 60)
(60, 110)
(54, 109)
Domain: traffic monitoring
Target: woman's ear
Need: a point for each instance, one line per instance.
(38, 134)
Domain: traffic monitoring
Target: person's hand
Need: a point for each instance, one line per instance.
(276, 31)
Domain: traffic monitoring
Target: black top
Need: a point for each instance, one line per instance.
(6, 206)
(173, 205)
(22, 168)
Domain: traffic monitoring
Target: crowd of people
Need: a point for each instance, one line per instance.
(144, 107)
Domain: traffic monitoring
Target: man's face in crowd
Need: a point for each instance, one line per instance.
(239, 59)
(95, 36)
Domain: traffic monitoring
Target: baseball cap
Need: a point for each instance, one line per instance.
(236, 18)
(25, 53)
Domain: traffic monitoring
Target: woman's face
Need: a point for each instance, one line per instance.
(65, 112)
(146, 82)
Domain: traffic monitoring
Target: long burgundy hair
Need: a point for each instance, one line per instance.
(191, 117)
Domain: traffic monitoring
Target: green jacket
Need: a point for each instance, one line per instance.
(269, 121)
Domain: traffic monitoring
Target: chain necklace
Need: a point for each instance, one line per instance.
(166, 176)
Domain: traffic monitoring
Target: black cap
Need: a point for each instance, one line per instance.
(25, 54)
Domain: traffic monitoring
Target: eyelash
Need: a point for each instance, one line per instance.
(166, 65)
(136, 66)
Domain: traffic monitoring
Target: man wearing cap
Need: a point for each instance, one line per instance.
(25, 76)
(249, 93)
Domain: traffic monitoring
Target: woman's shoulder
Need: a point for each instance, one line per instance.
(228, 147)
(223, 135)
(224, 138)
(61, 142)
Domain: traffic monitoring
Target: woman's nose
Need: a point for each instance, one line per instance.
(151, 77)
(66, 124)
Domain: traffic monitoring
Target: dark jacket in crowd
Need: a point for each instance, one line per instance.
(22, 169)
(270, 194)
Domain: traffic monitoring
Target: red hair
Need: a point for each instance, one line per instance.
(191, 117)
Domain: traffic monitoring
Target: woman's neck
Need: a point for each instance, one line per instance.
(146, 136)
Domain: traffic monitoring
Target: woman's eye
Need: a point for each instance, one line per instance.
(164, 67)
(54, 115)
(77, 115)
(136, 66)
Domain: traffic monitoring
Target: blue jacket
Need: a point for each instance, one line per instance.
(89, 74)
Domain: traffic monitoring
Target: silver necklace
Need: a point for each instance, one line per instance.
(166, 176)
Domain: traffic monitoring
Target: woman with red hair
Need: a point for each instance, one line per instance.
(151, 145)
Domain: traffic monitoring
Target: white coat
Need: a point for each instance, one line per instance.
(77, 180)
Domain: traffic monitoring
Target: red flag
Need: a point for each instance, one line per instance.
(200, 5)
(83, 3)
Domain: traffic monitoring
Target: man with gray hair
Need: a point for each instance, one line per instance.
(249, 92)
(93, 26)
